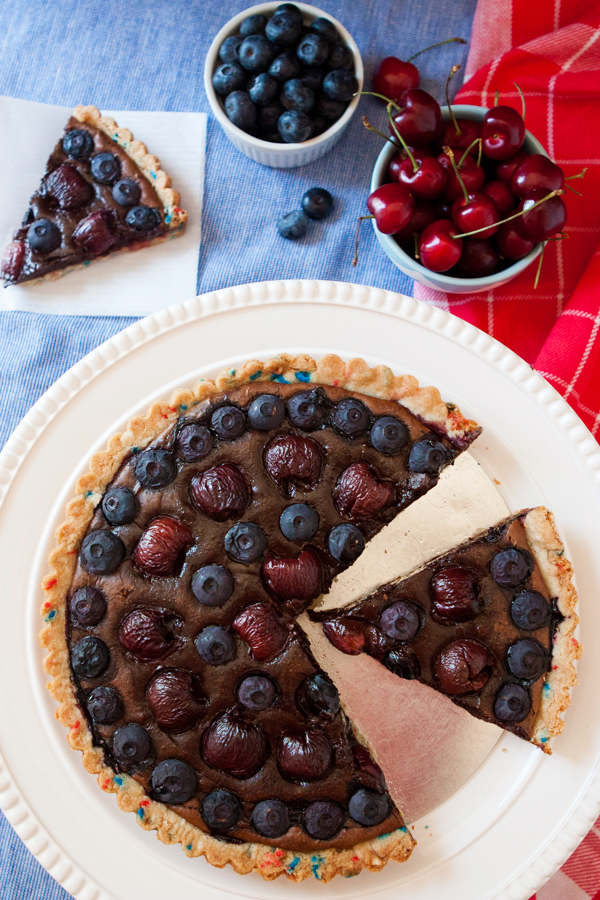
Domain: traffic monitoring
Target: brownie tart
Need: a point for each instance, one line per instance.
(191, 547)
(101, 192)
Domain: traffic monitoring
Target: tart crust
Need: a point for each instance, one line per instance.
(423, 402)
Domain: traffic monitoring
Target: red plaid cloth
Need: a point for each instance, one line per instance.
(551, 48)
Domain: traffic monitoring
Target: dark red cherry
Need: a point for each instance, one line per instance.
(359, 494)
(393, 206)
(478, 259)
(502, 196)
(420, 121)
(425, 214)
(221, 493)
(161, 544)
(455, 597)
(479, 211)
(428, 182)
(304, 756)
(259, 626)
(471, 174)
(295, 581)
(147, 634)
(506, 168)
(346, 635)
(538, 223)
(462, 667)
(176, 700)
(419, 154)
(293, 460)
(537, 171)
(502, 132)
(393, 76)
(68, 188)
(439, 250)
(469, 132)
(97, 232)
(234, 746)
(510, 243)
(12, 260)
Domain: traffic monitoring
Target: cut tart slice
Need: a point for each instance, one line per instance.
(101, 192)
(490, 624)
(190, 548)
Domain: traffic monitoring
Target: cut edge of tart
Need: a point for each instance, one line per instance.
(424, 403)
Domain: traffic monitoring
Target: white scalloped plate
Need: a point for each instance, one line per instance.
(518, 818)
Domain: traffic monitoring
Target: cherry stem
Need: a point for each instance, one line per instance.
(573, 189)
(467, 151)
(539, 268)
(416, 240)
(381, 97)
(401, 139)
(454, 40)
(361, 219)
(579, 175)
(386, 137)
(452, 73)
(497, 98)
(449, 153)
(510, 218)
(522, 96)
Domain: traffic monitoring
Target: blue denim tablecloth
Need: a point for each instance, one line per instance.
(122, 55)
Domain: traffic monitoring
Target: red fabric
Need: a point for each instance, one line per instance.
(555, 59)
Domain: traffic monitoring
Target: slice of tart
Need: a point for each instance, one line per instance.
(190, 548)
(490, 624)
(101, 192)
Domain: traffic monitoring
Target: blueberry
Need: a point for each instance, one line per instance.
(43, 236)
(88, 606)
(299, 522)
(89, 657)
(323, 819)
(295, 95)
(102, 552)
(215, 645)
(340, 85)
(329, 109)
(283, 29)
(401, 620)
(253, 25)
(388, 435)
(221, 810)
(318, 694)
(126, 192)
(290, 9)
(403, 662)
(325, 28)
(228, 51)
(312, 50)
(155, 468)
(512, 703)
(511, 567)
(341, 58)
(293, 225)
(307, 410)
(285, 66)
(194, 442)
(350, 416)
(263, 89)
(105, 705)
(268, 117)
(345, 543)
(312, 79)
(120, 505)
(270, 818)
(527, 660)
(530, 610)
(144, 218)
(212, 585)
(131, 744)
(266, 412)
(106, 168)
(295, 126)
(78, 144)
(256, 692)
(368, 807)
(174, 781)
(428, 456)
(228, 422)
(240, 110)
(229, 77)
(318, 203)
(246, 542)
(256, 53)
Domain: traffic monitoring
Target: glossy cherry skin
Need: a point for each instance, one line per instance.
(420, 121)
(469, 132)
(545, 220)
(419, 153)
(478, 259)
(438, 249)
(472, 175)
(502, 196)
(510, 244)
(507, 167)
(502, 132)
(393, 76)
(425, 214)
(479, 211)
(537, 172)
(393, 206)
(428, 182)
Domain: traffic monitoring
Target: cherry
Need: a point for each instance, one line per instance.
(455, 596)
(259, 626)
(440, 246)
(537, 172)
(510, 243)
(425, 214)
(478, 259)
(221, 493)
(294, 581)
(393, 76)
(427, 182)
(293, 461)
(462, 667)
(419, 154)
(360, 494)
(506, 169)
(393, 207)
(233, 746)
(346, 635)
(541, 221)
(176, 699)
(13, 259)
(96, 233)
(161, 544)
(420, 120)
(304, 756)
(147, 633)
(478, 211)
(502, 196)
(469, 133)
(472, 175)
(502, 132)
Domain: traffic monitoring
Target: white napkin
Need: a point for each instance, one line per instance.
(124, 284)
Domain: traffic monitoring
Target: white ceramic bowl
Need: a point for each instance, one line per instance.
(283, 156)
(439, 280)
